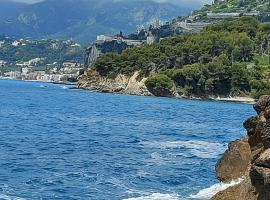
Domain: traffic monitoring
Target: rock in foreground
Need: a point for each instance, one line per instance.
(252, 163)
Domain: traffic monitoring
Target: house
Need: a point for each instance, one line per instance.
(2, 63)
(1, 43)
(223, 15)
(16, 43)
(71, 64)
(75, 45)
(14, 74)
(26, 70)
(107, 38)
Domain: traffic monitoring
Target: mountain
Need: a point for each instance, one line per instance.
(81, 20)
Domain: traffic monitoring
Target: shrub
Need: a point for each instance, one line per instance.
(160, 85)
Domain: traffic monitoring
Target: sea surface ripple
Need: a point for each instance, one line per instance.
(59, 143)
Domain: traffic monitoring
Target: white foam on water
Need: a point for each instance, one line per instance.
(5, 197)
(43, 86)
(156, 196)
(64, 87)
(206, 194)
(201, 149)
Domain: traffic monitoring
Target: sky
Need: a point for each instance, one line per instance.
(177, 1)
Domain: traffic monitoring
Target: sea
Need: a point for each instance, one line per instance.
(61, 143)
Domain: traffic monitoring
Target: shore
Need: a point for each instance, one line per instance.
(248, 100)
(40, 81)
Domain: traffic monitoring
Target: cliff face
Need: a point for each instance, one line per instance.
(251, 162)
(99, 48)
(132, 85)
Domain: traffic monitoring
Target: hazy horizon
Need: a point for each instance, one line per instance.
(199, 2)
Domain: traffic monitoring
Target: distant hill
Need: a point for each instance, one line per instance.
(18, 51)
(81, 20)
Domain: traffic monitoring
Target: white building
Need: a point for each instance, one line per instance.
(134, 42)
(16, 43)
(75, 45)
(14, 74)
(223, 15)
(2, 43)
(3, 63)
(106, 38)
(26, 70)
(71, 64)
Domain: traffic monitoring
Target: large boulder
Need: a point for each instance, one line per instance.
(262, 104)
(235, 161)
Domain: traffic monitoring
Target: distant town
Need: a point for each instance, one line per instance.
(53, 66)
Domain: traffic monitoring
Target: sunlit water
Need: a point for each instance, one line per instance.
(59, 143)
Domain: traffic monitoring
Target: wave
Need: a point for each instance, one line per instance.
(207, 193)
(5, 197)
(204, 194)
(156, 196)
(64, 87)
(43, 86)
(201, 149)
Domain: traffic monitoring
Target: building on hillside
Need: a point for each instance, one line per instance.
(2, 43)
(151, 38)
(106, 38)
(252, 13)
(133, 42)
(223, 15)
(192, 26)
(71, 64)
(75, 45)
(14, 75)
(2, 63)
(26, 70)
(16, 43)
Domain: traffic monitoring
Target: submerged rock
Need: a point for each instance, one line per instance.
(256, 184)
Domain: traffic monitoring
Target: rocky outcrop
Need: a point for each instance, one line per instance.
(101, 47)
(256, 184)
(235, 161)
(132, 85)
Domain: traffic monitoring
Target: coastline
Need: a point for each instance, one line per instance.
(236, 99)
(39, 81)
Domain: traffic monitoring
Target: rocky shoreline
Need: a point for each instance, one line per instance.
(249, 159)
(135, 85)
(121, 84)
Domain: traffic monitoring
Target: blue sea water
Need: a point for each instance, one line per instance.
(59, 143)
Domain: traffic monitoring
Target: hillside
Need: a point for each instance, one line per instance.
(226, 59)
(81, 20)
(13, 52)
(258, 8)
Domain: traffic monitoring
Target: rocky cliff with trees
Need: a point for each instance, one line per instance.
(230, 58)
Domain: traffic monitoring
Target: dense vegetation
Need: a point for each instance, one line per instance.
(229, 58)
(220, 6)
